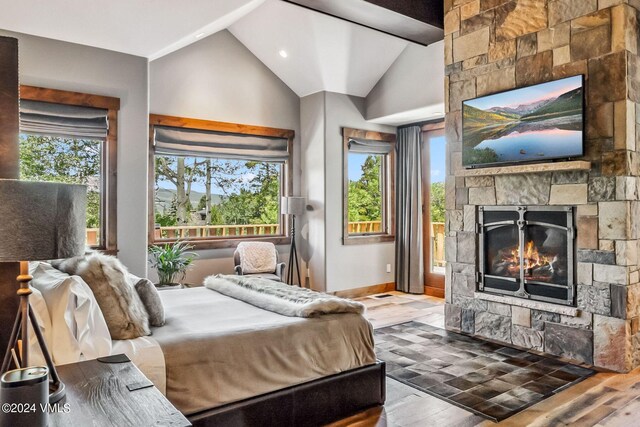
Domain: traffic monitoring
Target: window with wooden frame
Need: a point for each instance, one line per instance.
(72, 137)
(215, 184)
(369, 186)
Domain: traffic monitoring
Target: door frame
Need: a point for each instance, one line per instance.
(433, 283)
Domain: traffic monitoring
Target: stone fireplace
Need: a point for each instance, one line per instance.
(526, 295)
(527, 252)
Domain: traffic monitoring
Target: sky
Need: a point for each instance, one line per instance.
(527, 95)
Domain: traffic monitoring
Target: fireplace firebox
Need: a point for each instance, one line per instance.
(527, 252)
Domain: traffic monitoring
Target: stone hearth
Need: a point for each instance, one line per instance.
(496, 45)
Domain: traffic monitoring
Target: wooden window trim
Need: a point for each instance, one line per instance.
(389, 215)
(189, 123)
(109, 189)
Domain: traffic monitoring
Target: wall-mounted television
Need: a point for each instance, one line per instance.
(529, 124)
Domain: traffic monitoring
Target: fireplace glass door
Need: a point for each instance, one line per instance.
(527, 252)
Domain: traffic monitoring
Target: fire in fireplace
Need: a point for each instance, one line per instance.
(527, 252)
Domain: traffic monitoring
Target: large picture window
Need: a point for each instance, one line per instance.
(215, 183)
(71, 138)
(368, 186)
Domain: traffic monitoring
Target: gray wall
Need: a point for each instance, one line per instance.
(217, 78)
(414, 80)
(334, 266)
(67, 66)
(312, 235)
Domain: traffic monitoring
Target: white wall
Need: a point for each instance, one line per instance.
(334, 266)
(67, 66)
(217, 78)
(413, 85)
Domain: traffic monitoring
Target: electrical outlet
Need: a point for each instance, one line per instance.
(388, 268)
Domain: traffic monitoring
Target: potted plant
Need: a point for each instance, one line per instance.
(171, 260)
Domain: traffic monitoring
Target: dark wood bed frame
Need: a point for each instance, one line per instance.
(313, 403)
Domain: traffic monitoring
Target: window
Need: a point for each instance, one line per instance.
(71, 137)
(369, 188)
(215, 184)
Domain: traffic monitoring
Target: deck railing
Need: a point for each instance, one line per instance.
(185, 231)
(437, 244)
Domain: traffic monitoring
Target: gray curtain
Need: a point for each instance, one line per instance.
(369, 146)
(222, 145)
(409, 261)
(67, 121)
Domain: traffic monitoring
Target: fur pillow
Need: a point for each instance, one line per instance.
(121, 306)
(151, 300)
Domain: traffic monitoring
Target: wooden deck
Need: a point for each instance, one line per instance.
(606, 399)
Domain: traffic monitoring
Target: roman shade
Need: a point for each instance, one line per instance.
(66, 121)
(369, 146)
(171, 141)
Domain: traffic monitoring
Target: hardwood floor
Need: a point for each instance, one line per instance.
(606, 399)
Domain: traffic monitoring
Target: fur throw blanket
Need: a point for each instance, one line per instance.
(122, 308)
(281, 298)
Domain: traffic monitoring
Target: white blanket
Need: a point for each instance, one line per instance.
(281, 298)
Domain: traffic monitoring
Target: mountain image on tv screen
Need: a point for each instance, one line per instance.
(538, 122)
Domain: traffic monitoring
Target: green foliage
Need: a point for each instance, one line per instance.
(171, 260)
(165, 220)
(437, 202)
(71, 161)
(365, 194)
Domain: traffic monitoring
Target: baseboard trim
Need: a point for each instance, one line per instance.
(434, 292)
(365, 291)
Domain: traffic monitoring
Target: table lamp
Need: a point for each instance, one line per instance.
(293, 206)
(38, 221)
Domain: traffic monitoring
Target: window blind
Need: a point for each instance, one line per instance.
(369, 146)
(184, 142)
(67, 121)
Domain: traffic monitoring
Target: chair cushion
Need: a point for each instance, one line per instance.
(257, 257)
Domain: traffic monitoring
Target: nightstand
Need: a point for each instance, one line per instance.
(111, 394)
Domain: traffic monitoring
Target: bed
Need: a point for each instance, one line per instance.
(222, 361)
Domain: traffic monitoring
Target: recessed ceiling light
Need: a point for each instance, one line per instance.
(438, 113)
(199, 35)
(283, 53)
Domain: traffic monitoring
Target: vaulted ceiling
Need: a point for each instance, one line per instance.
(322, 52)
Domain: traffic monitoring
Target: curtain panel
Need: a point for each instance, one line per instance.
(66, 121)
(409, 251)
(173, 141)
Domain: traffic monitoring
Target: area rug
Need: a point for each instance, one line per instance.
(488, 379)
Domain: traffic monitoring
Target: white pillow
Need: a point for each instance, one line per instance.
(78, 328)
(41, 313)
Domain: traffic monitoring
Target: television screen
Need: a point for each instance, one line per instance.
(534, 123)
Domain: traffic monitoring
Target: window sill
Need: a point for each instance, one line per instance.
(226, 243)
(363, 240)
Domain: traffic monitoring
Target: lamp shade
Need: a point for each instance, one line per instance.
(293, 205)
(41, 220)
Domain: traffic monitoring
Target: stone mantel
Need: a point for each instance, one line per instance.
(575, 165)
(536, 305)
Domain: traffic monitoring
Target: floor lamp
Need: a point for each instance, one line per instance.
(38, 221)
(293, 206)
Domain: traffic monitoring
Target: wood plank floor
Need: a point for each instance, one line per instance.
(606, 399)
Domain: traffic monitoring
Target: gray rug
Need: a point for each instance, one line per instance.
(488, 379)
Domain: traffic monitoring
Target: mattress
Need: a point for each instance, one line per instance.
(219, 350)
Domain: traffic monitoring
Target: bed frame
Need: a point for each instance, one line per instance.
(313, 403)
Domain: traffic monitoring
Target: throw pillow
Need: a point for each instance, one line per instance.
(121, 306)
(151, 300)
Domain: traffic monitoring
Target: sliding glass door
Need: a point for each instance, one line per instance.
(433, 175)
